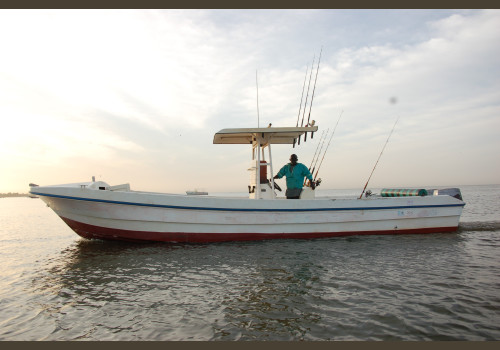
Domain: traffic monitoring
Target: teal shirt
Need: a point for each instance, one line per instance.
(295, 178)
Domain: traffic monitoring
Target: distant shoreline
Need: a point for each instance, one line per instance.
(11, 195)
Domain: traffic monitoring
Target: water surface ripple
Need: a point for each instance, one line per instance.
(57, 286)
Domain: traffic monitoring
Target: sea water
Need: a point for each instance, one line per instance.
(55, 285)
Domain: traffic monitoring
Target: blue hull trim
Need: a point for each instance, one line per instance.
(241, 209)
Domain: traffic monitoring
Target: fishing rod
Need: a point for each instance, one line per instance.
(305, 104)
(331, 137)
(302, 97)
(314, 156)
(312, 97)
(322, 144)
(383, 148)
(300, 106)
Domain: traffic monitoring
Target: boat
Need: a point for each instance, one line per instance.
(97, 210)
(196, 193)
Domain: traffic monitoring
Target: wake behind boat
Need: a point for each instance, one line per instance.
(97, 210)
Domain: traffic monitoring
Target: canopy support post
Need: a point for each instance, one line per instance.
(271, 169)
(257, 172)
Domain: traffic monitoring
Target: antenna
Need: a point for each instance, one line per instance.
(257, 84)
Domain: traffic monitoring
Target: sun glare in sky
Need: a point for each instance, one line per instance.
(137, 95)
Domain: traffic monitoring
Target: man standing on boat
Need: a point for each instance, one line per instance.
(295, 173)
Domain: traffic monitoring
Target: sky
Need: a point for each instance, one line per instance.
(136, 96)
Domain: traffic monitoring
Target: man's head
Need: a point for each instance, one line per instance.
(293, 159)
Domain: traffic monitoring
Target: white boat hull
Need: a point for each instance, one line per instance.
(143, 216)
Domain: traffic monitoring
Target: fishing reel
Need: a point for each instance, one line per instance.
(316, 183)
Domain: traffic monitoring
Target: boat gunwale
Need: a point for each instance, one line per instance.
(169, 206)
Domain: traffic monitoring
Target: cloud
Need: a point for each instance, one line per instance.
(107, 90)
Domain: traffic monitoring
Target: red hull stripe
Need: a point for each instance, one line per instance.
(97, 232)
